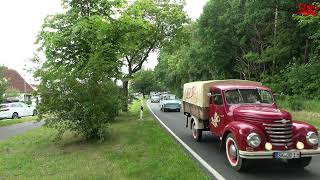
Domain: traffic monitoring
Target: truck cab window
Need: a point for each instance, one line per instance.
(217, 98)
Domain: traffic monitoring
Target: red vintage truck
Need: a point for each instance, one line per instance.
(245, 116)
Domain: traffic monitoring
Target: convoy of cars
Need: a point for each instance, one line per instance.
(245, 116)
(168, 102)
(16, 110)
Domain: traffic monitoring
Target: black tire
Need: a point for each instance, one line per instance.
(232, 153)
(15, 116)
(178, 110)
(196, 133)
(298, 163)
(164, 110)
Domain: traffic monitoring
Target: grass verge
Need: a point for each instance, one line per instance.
(134, 150)
(7, 122)
(310, 112)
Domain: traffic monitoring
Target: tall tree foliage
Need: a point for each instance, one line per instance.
(87, 47)
(144, 82)
(81, 47)
(257, 40)
(147, 25)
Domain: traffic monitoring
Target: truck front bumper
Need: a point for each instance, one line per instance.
(270, 154)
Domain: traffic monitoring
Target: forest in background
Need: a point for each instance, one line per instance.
(246, 39)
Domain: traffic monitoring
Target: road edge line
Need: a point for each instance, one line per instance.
(215, 173)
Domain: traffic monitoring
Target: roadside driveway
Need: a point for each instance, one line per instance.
(12, 130)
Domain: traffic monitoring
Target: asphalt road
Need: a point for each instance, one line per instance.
(208, 150)
(12, 130)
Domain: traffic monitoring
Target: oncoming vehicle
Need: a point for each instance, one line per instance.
(249, 123)
(16, 110)
(170, 105)
(155, 99)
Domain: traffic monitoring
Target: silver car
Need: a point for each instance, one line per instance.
(155, 99)
(170, 105)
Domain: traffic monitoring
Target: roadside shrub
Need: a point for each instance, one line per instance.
(83, 106)
(297, 79)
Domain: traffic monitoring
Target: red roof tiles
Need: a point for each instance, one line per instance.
(16, 82)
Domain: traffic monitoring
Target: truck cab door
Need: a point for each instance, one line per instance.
(216, 113)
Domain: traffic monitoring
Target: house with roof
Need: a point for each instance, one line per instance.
(19, 85)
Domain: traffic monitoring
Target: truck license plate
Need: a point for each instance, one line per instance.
(286, 155)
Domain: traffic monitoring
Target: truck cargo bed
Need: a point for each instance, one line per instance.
(197, 111)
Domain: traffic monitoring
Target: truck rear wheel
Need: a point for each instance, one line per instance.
(196, 133)
(299, 163)
(232, 152)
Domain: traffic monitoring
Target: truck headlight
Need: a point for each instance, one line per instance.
(253, 140)
(312, 138)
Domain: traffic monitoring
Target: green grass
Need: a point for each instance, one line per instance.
(134, 150)
(7, 122)
(310, 112)
(309, 117)
(307, 105)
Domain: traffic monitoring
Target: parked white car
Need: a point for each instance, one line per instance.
(16, 110)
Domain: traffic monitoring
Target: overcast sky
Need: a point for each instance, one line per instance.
(21, 21)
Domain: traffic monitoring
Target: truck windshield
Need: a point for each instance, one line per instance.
(248, 96)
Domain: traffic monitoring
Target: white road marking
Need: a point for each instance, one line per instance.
(215, 173)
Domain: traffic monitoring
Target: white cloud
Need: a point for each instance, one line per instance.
(21, 21)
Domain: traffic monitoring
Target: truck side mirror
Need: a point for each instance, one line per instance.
(209, 94)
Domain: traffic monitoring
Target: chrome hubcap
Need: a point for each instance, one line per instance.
(233, 150)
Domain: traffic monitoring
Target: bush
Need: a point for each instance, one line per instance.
(84, 106)
(297, 80)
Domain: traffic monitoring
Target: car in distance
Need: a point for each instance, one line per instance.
(170, 105)
(155, 99)
(16, 110)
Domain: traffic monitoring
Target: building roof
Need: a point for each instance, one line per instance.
(17, 82)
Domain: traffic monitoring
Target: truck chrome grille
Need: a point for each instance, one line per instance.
(279, 133)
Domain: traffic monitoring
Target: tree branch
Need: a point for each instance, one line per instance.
(142, 60)
(129, 65)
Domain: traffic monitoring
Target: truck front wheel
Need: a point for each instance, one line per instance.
(233, 156)
(196, 133)
(299, 163)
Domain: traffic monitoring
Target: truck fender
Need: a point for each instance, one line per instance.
(198, 123)
(240, 131)
(300, 130)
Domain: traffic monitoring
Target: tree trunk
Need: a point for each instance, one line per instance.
(125, 96)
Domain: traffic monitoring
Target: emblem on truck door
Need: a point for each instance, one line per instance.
(215, 119)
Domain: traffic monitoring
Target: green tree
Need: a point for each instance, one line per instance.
(146, 25)
(144, 82)
(3, 83)
(257, 40)
(82, 51)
